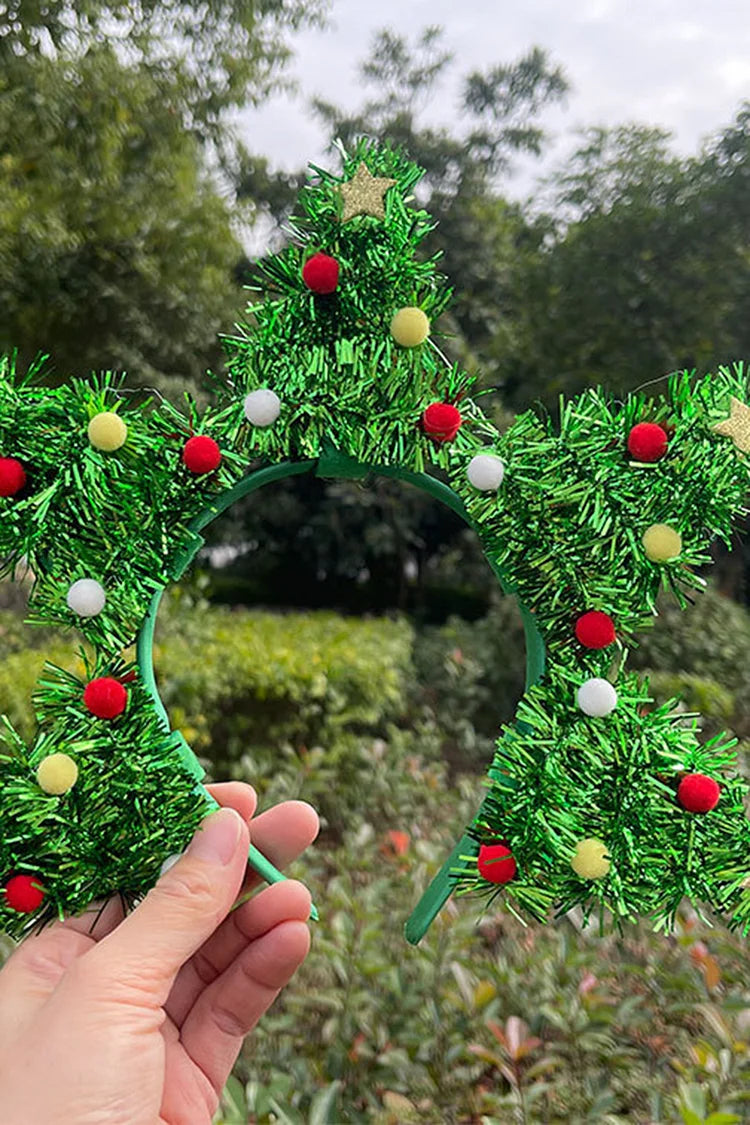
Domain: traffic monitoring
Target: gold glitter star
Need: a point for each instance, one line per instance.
(363, 194)
(737, 425)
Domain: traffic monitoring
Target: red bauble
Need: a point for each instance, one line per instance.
(496, 863)
(698, 793)
(595, 629)
(442, 421)
(647, 442)
(12, 476)
(321, 274)
(22, 893)
(105, 697)
(201, 454)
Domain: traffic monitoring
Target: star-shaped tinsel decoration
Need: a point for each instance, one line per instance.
(363, 194)
(737, 425)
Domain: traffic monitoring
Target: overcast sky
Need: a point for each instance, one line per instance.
(684, 64)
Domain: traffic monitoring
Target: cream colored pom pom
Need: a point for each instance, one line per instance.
(661, 542)
(86, 597)
(591, 860)
(56, 774)
(107, 431)
(596, 697)
(486, 472)
(410, 327)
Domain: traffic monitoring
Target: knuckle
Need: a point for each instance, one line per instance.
(188, 883)
(229, 1023)
(44, 964)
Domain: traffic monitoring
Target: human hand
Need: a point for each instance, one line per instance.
(140, 1021)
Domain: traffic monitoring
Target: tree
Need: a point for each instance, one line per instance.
(498, 110)
(207, 57)
(724, 176)
(117, 241)
(116, 248)
(637, 271)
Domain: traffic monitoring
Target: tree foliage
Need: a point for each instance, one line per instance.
(497, 113)
(116, 248)
(642, 265)
(209, 56)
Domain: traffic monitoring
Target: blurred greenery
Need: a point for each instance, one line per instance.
(104, 212)
(611, 290)
(210, 56)
(118, 241)
(351, 546)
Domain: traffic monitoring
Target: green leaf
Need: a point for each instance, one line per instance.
(693, 1101)
(323, 1105)
(234, 1107)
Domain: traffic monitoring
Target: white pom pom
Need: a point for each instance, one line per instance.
(597, 697)
(169, 863)
(486, 471)
(86, 597)
(262, 407)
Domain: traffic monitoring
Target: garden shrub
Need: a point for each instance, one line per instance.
(469, 677)
(239, 682)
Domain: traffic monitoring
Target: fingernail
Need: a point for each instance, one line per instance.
(216, 839)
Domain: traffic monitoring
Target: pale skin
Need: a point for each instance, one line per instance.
(140, 1021)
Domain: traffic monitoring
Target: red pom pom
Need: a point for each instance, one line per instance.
(321, 274)
(201, 454)
(23, 893)
(595, 629)
(647, 442)
(698, 793)
(496, 863)
(12, 476)
(105, 697)
(442, 421)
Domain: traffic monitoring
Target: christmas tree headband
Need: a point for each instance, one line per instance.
(595, 797)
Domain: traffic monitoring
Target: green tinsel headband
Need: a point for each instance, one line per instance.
(594, 797)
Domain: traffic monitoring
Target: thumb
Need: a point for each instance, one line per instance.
(180, 913)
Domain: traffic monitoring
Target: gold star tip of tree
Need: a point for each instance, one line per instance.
(364, 194)
(737, 425)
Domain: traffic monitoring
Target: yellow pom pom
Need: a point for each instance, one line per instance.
(57, 773)
(410, 327)
(661, 542)
(590, 860)
(107, 431)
